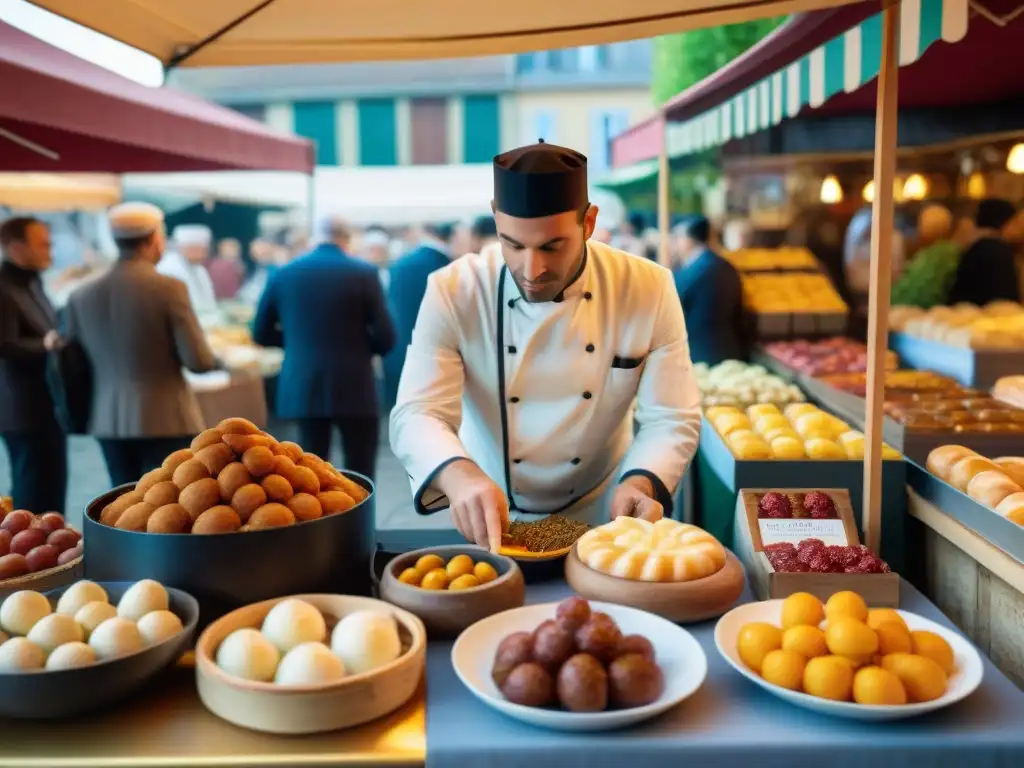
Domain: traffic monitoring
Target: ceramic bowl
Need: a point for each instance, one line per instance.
(305, 709)
(43, 581)
(444, 612)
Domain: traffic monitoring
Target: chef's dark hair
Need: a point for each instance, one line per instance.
(15, 229)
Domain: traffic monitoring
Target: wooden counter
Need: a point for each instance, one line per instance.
(172, 729)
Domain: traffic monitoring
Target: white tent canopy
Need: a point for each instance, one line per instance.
(51, 192)
(246, 32)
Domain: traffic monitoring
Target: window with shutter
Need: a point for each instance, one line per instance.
(429, 124)
(317, 120)
(481, 128)
(378, 142)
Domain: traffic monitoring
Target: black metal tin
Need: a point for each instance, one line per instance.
(227, 571)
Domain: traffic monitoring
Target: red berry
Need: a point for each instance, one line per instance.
(822, 563)
(774, 505)
(819, 505)
(782, 547)
(792, 566)
(842, 556)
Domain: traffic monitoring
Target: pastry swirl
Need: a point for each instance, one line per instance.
(638, 550)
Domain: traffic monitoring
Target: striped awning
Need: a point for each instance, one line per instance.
(844, 63)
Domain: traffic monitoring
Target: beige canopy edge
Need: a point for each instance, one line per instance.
(197, 33)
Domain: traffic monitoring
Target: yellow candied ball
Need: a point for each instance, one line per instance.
(878, 616)
(802, 608)
(459, 565)
(874, 685)
(760, 410)
(484, 572)
(846, 603)
(893, 638)
(934, 647)
(757, 640)
(824, 450)
(922, 678)
(410, 576)
(435, 579)
(851, 638)
(829, 677)
(794, 410)
(731, 422)
(465, 581)
(769, 422)
(784, 669)
(808, 641)
(774, 434)
(788, 449)
(814, 421)
(890, 454)
(713, 412)
(427, 563)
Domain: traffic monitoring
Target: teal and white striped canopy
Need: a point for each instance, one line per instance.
(845, 63)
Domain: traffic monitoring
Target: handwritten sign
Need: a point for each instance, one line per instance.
(830, 531)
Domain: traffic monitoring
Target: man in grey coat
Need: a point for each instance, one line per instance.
(138, 331)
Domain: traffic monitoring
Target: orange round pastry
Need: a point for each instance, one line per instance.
(638, 550)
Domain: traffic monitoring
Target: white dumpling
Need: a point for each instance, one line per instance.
(115, 637)
(79, 594)
(141, 598)
(19, 654)
(247, 654)
(71, 656)
(21, 610)
(53, 631)
(292, 622)
(157, 626)
(366, 640)
(91, 615)
(309, 664)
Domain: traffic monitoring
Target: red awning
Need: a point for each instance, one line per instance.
(795, 38)
(95, 120)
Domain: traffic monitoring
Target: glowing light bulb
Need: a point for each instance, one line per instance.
(976, 187)
(1015, 160)
(831, 192)
(915, 187)
(869, 192)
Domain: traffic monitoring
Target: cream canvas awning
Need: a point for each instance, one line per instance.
(51, 192)
(202, 33)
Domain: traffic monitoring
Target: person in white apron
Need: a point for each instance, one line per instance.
(516, 399)
(186, 262)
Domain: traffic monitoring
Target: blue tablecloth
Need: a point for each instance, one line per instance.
(729, 723)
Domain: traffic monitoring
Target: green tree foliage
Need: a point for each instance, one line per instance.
(687, 58)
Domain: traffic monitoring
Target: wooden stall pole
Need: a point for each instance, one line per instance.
(881, 271)
(664, 207)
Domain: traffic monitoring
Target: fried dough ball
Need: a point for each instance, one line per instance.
(161, 494)
(151, 478)
(242, 443)
(173, 460)
(215, 458)
(205, 439)
(304, 507)
(277, 488)
(116, 508)
(188, 472)
(219, 519)
(135, 517)
(170, 518)
(200, 496)
(231, 478)
(238, 426)
(247, 500)
(271, 516)
(259, 461)
(333, 502)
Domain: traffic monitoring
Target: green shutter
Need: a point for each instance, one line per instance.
(481, 133)
(317, 120)
(378, 142)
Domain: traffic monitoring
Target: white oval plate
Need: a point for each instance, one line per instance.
(962, 683)
(678, 653)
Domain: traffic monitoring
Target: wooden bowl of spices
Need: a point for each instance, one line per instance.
(550, 538)
(443, 604)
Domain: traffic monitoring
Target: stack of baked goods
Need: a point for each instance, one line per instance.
(796, 293)
(998, 325)
(739, 384)
(1010, 390)
(234, 477)
(826, 356)
(764, 259)
(995, 483)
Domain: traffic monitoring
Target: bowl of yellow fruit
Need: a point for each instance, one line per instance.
(843, 659)
(450, 588)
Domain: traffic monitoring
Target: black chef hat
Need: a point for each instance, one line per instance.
(540, 180)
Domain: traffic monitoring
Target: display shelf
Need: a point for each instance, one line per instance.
(995, 529)
(979, 368)
(777, 326)
(736, 474)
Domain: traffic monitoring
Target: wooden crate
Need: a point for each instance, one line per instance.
(877, 589)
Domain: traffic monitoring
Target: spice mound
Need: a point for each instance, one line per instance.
(546, 535)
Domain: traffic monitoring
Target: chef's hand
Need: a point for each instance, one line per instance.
(51, 340)
(479, 507)
(634, 497)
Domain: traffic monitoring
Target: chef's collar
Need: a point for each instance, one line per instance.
(578, 286)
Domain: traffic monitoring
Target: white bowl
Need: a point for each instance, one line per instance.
(962, 683)
(677, 652)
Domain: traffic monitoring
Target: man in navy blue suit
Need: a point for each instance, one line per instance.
(327, 310)
(406, 288)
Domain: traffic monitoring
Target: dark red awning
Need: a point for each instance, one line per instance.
(95, 120)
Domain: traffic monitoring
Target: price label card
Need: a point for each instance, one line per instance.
(775, 531)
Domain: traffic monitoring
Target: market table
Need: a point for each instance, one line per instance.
(167, 726)
(728, 723)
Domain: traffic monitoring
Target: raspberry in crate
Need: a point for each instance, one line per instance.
(814, 556)
(814, 504)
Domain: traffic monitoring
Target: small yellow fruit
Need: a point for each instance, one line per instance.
(851, 638)
(760, 410)
(410, 576)
(484, 572)
(807, 641)
(731, 422)
(756, 641)
(465, 581)
(435, 579)
(874, 685)
(934, 647)
(715, 411)
(459, 566)
(802, 608)
(878, 616)
(784, 669)
(773, 434)
(427, 563)
(829, 677)
(769, 422)
(846, 604)
(893, 638)
(787, 448)
(923, 679)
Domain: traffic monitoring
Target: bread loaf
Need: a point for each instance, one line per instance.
(942, 459)
(965, 469)
(1012, 508)
(991, 487)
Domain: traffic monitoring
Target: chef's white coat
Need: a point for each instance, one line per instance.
(540, 395)
(195, 277)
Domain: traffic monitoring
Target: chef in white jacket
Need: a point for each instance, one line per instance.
(516, 399)
(185, 259)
